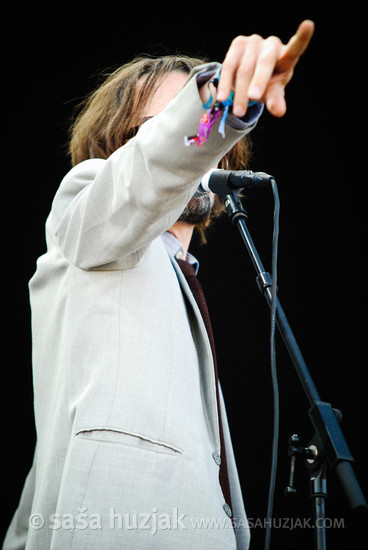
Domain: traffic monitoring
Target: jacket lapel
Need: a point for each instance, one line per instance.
(206, 366)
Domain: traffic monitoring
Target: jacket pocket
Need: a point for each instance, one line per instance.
(124, 437)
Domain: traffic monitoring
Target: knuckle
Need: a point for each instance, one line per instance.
(240, 40)
(274, 40)
(271, 49)
(255, 38)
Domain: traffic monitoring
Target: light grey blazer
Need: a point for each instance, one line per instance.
(124, 390)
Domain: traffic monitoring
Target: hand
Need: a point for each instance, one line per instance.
(259, 69)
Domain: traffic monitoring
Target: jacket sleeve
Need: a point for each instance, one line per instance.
(106, 210)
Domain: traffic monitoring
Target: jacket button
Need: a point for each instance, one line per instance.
(216, 457)
(227, 510)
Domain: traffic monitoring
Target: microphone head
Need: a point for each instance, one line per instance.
(204, 184)
(222, 182)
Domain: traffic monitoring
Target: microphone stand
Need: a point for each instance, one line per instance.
(328, 446)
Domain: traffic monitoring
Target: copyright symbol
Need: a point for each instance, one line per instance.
(36, 521)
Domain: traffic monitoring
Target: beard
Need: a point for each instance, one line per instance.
(199, 208)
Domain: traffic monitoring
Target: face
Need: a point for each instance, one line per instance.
(167, 90)
(200, 206)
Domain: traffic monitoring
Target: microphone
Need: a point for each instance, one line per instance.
(223, 182)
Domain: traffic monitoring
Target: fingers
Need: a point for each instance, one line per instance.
(275, 99)
(264, 67)
(247, 69)
(259, 69)
(237, 71)
(295, 47)
(238, 48)
(300, 41)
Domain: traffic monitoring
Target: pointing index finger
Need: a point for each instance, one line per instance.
(299, 42)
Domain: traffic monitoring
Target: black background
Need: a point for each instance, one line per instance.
(51, 58)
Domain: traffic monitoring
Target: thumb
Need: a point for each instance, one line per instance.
(275, 99)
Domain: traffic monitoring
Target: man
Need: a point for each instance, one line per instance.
(131, 428)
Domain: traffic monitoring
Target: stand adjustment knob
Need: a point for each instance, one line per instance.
(310, 453)
(290, 489)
